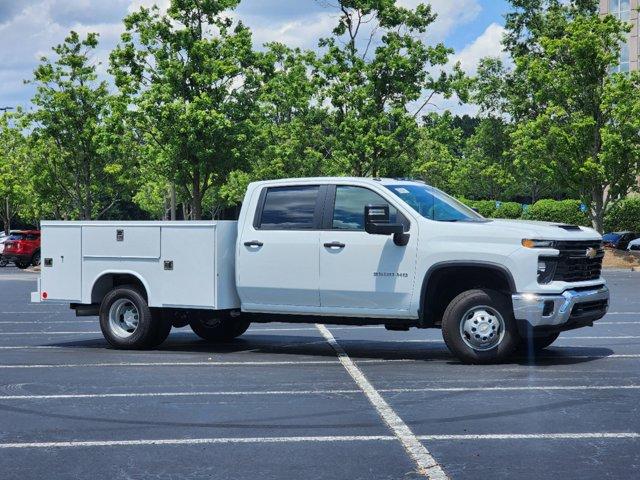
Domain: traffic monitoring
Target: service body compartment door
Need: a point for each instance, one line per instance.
(61, 274)
(187, 266)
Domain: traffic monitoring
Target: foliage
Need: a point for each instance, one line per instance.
(573, 120)
(563, 211)
(624, 215)
(74, 174)
(508, 210)
(190, 75)
(375, 66)
(15, 193)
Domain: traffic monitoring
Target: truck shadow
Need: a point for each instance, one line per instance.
(359, 350)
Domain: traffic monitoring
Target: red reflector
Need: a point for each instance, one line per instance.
(45, 295)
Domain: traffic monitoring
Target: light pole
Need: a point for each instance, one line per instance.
(5, 109)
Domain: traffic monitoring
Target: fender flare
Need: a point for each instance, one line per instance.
(425, 322)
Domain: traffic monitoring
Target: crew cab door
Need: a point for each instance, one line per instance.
(278, 268)
(362, 273)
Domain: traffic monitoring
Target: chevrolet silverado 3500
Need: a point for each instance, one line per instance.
(356, 251)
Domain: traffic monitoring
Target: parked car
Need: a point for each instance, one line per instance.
(23, 248)
(354, 251)
(634, 245)
(619, 240)
(3, 238)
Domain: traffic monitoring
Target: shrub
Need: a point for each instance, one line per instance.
(562, 211)
(624, 215)
(508, 210)
(486, 208)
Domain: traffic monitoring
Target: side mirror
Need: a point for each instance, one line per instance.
(377, 222)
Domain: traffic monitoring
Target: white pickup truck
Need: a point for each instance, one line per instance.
(355, 251)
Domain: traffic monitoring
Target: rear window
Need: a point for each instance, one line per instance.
(16, 236)
(289, 208)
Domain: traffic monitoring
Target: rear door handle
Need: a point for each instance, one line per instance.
(253, 243)
(334, 245)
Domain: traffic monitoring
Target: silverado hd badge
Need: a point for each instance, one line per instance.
(390, 274)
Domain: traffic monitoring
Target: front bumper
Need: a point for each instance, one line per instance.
(544, 313)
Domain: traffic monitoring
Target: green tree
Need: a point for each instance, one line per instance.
(14, 178)
(572, 118)
(191, 76)
(378, 76)
(68, 126)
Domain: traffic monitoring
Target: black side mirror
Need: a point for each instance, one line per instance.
(377, 222)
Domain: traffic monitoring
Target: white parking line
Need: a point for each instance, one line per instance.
(46, 322)
(195, 364)
(44, 332)
(427, 465)
(80, 396)
(535, 436)
(320, 439)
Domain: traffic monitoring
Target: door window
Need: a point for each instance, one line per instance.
(348, 211)
(289, 208)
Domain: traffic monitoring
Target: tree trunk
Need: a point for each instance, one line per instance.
(173, 201)
(7, 216)
(196, 198)
(597, 210)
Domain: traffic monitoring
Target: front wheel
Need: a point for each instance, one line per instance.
(478, 327)
(219, 327)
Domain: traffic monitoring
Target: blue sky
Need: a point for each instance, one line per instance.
(29, 28)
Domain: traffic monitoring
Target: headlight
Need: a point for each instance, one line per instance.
(546, 269)
(528, 243)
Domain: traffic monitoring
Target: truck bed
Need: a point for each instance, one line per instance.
(180, 264)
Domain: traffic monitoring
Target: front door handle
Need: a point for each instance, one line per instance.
(253, 243)
(334, 245)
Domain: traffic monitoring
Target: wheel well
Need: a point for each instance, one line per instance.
(443, 284)
(108, 281)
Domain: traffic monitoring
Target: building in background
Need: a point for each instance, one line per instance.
(625, 10)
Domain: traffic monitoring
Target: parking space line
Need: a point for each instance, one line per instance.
(79, 396)
(427, 465)
(320, 439)
(44, 332)
(45, 322)
(196, 364)
(180, 394)
(535, 436)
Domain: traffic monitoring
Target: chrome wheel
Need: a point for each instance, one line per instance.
(123, 318)
(482, 328)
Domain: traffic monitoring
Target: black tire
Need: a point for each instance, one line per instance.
(35, 260)
(219, 327)
(507, 337)
(3, 262)
(150, 330)
(536, 344)
(22, 265)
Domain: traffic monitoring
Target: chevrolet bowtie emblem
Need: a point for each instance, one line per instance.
(591, 252)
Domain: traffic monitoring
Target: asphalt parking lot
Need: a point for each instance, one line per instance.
(280, 403)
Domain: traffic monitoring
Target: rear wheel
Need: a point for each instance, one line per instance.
(127, 322)
(478, 327)
(219, 327)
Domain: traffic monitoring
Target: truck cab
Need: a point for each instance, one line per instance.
(356, 251)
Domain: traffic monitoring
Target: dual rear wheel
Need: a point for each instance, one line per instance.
(127, 322)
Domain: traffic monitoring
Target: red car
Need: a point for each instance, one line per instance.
(23, 248)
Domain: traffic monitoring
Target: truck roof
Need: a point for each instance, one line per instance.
(376, 180)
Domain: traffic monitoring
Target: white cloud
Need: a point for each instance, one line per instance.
(488, 44)
(451, 14)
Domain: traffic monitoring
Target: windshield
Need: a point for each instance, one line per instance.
(434, 204)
